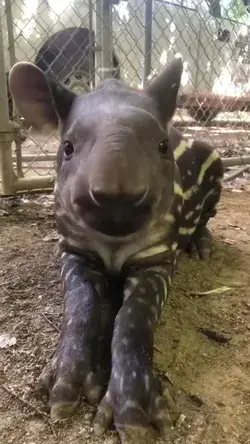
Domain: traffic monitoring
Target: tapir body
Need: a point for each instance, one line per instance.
(130, 194)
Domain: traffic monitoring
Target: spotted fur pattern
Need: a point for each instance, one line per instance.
(115, 287)
(147, 266)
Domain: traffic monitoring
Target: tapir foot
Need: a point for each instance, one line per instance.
(78, 370)
(201, 244)
(135, 421)
(64, 382)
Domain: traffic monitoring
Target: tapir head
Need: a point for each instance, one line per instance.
(114, 163)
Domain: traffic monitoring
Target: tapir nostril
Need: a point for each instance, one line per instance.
(101, 199)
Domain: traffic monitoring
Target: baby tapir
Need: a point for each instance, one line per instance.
(130, 194)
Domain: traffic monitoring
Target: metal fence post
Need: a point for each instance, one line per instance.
(91, 47)
(148, 11)
(12, 56)
(103, 33)
(6, 136)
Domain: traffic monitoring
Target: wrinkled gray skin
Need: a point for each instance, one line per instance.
(116, 195)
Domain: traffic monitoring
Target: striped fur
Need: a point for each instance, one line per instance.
(197, 192)
(119, 141)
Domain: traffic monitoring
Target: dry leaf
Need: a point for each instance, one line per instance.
(7, 341)
(54, 236)
(214, 291)
(228, 241)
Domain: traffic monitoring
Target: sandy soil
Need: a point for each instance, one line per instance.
(210, 380)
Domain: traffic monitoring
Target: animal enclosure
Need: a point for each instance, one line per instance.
(81, 42)
(201, 347)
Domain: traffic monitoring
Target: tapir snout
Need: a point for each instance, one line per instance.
(113, 187)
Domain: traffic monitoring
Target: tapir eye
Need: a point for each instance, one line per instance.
(68, 148)
(163, 146)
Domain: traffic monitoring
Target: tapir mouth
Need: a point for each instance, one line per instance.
(119, 222)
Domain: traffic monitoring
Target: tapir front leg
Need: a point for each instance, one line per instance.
(133, 397)
(72, 370)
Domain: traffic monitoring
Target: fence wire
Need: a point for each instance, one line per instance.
(76, 43)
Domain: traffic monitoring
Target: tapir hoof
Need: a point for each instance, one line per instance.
(134, 423)
(201, 244)
(64, 383)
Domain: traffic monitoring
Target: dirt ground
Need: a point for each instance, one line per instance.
(210, 379)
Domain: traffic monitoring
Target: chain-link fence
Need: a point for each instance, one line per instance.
(81, 42)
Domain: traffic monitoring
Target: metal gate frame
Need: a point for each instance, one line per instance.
(10, 131)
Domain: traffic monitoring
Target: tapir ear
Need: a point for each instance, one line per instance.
(39, 100)
(164, 89)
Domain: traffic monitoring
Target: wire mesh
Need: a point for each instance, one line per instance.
(65, 39)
